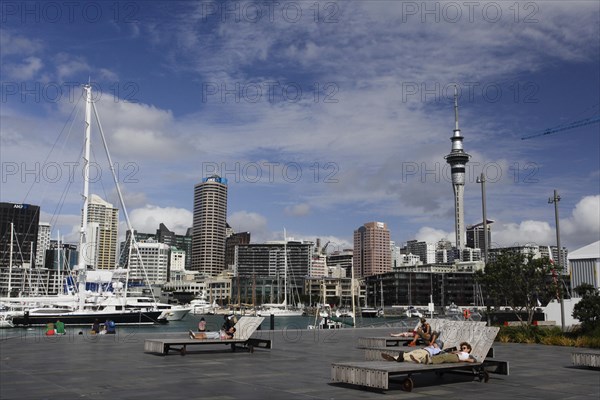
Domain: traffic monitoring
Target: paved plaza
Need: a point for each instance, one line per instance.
(297, 367)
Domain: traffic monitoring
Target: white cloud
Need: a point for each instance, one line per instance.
(519, 234)
(70, 67)
(298, 210)
(256, 224)
(11, 44)
(148, 218)
(27, 70)
(432, 235)
(583, 226)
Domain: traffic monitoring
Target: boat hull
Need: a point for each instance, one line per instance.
(79, 318)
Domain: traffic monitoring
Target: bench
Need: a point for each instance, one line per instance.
(587, 358)
(245, 327)
(376, 373)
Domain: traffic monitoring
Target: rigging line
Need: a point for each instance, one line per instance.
(63, 196)
(75, 108)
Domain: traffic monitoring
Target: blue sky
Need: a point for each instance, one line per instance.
(344, 114)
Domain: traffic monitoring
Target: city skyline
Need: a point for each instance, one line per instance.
(213, 89)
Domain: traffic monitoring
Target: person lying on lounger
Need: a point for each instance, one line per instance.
(213, 335)
(463, 354)
(419, 356)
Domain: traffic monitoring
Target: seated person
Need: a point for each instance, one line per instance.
(461, 355)
(213, 335)
(60, 327)
(110, 327)
(418, 356)
(50, 331)
(95, 327)
(422, 332)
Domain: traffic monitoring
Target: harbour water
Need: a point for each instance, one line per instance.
(214, 323)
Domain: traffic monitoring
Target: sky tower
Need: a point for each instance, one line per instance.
(457, 160)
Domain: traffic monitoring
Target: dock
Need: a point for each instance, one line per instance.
(298, 366)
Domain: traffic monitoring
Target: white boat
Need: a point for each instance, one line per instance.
(201, 306)
(344, 312)
(6, 321)
(412, 312)
(370, 312)
(170, 312)
(278, 310)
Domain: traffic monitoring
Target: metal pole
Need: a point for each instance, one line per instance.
(555, 200)
(485, 228)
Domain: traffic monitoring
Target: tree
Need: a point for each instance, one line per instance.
(516, 280)
(587, 310)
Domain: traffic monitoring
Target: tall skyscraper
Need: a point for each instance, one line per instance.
(372, 253)
(458, 160)
(25, 224)
(209, 225)
(43, 244)
(103, 218)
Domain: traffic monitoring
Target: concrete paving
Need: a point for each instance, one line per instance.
(297, 367)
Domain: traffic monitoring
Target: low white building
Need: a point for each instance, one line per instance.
(584, 265)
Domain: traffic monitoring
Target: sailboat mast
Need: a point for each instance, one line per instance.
(285, 269)
(10, 259)
(81, 263)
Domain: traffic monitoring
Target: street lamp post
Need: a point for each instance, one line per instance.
(481, 179)
(555, 200)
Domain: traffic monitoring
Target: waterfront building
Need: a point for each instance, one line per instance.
(372, 254)
(124, 253)
(337, 291)
(425, 251)
(343, 259)
(458, 160)
(469, 254)
(234, 239)
(150, 266)
(584, 266)
(43, 244)
(182, 242)
(396, 254)
(405, 288)
(61, 260)
(318, 266)
(209, 226)
(102, 218)
(476, 235)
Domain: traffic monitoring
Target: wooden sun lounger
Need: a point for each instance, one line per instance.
(376, 374)
(245, 327)
(586, 358)
(437, 325)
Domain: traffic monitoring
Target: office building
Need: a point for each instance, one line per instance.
(372, 253)
(475, 235)
(102, 213)
(43, 244)
(209, 226)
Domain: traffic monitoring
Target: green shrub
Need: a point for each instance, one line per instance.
(552, 336)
